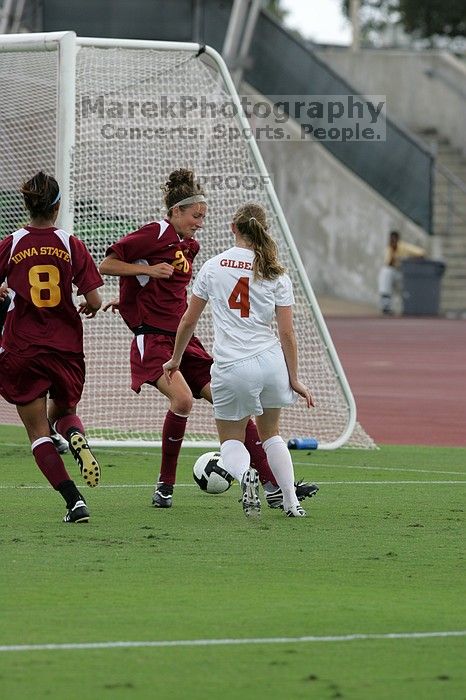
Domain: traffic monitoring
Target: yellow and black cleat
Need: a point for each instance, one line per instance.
(88, 465)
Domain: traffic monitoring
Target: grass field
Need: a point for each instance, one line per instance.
(208, 604)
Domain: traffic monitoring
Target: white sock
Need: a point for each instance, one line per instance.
(280, 463)
(235, 457)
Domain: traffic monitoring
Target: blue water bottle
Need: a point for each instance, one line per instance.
(302, 444)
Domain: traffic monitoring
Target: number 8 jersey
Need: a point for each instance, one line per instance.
(40, 266)
(243, 310)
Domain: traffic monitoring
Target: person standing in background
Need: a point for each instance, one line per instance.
(390, 274)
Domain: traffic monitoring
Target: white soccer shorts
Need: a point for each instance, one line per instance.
(248, 386)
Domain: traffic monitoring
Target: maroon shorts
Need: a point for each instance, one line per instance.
(24, 379)
(149, 352)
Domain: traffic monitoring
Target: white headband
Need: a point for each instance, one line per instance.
(190, 200)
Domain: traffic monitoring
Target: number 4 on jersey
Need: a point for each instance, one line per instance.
(239, 297)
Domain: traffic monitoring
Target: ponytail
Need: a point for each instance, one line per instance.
(251, 222)
(41, 193)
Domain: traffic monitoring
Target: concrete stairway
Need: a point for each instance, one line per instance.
(449, 223)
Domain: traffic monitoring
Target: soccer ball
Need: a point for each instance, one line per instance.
(209, 474)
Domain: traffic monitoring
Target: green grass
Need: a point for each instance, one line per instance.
(372, 558)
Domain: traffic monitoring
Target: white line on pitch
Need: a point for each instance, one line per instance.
(378, 469)
(407, 481)
(321, 483)
(231, 642)
(319, 465)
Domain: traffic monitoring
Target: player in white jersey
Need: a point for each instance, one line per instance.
(254, 371)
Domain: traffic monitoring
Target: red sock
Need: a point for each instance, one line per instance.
(258, 457)
(70, 422)
(174, 428)
(49, 461)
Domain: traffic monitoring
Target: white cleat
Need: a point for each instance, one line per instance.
(250, 498)
(296, 512)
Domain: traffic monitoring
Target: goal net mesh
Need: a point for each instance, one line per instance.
(141, 113)
(28, 126)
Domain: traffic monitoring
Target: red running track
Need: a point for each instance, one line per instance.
(408, 377)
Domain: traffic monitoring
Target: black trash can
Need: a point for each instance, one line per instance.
(421, 286)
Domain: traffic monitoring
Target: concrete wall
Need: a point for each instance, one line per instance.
(340, 225)
(425, 90)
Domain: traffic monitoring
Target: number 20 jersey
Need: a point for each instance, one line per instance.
(243, 310)
(155, 302)
(41, 266)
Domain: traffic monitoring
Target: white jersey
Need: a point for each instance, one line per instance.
(242, 309)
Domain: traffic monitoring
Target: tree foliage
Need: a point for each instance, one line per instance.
(431, 17)
(273, 6)
(425, 19)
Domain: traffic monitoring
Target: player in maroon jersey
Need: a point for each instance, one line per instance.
(60, 443)
(42, 343)
(154, 264)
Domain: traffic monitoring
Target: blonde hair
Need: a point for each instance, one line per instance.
(251, 222)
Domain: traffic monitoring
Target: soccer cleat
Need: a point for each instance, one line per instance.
(87, 463)
(60, 443)
(163, 495)
(303, 489)
(250, 498)
(79, 513)
(296, 512)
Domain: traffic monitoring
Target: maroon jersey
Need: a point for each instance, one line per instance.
(40, 266)
(159, 303)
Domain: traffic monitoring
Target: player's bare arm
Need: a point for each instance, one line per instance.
(114, 267)
(289, 345)
(3, 292)
(185, 330)
(91, 305)
(113, 304)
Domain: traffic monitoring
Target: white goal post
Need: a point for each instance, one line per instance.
(111, 119)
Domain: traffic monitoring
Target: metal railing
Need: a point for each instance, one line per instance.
(446, 80)
(455, 186)
(399, 169)
(11, 14)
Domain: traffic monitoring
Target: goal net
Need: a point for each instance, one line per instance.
(112, 119)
